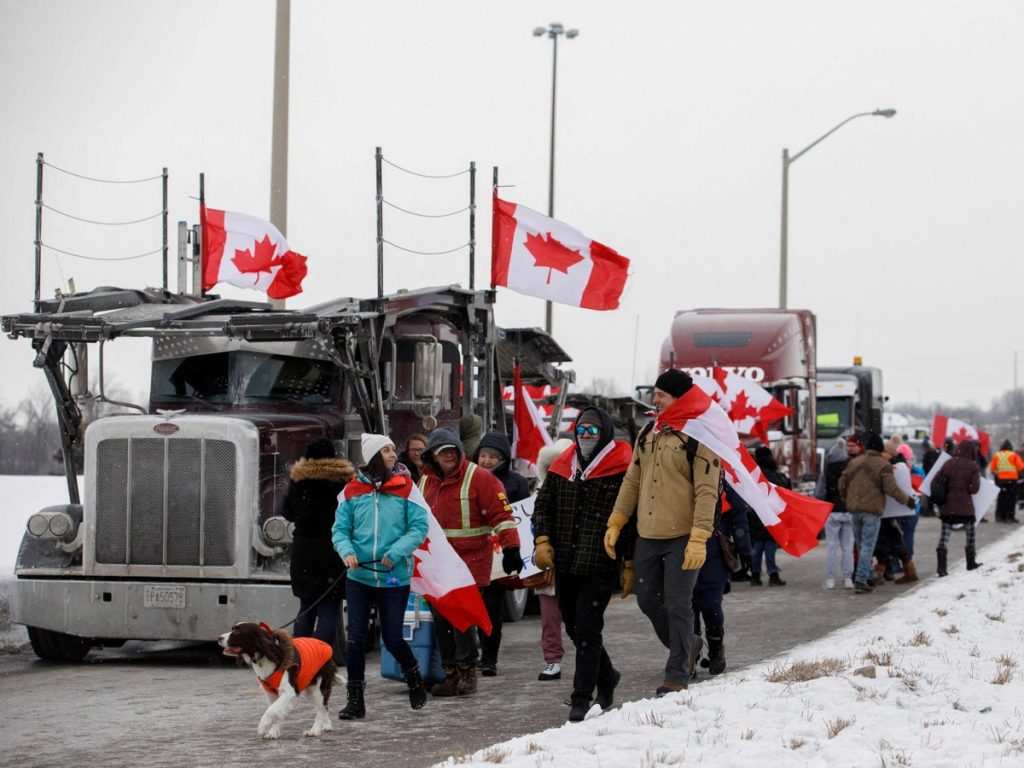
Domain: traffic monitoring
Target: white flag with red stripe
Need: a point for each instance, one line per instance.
(540, 256)
(947, 426)
(441, 576)
(793, 520)
(528, 430)
(749, 405)
(248, 252)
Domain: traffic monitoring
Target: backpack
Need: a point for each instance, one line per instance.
(940, 489)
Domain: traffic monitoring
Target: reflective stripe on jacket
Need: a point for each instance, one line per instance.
(1006, 465)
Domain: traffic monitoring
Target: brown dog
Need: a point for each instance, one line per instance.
(285, 666)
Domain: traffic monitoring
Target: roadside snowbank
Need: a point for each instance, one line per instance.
(932, 678)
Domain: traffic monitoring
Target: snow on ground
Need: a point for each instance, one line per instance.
(943, 687)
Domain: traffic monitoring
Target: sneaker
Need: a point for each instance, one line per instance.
(862, 588)
(830, 583)
(551, 672)
(848, 583)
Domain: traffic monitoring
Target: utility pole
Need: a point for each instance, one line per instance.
(279, 130)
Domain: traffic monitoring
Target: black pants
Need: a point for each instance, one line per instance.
(582, 601)
(1006, 504)
(494, 599)
(455, 647)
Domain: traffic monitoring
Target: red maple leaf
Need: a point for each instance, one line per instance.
(741, 409)
(962, 435)
(551, 254)
(263, 257)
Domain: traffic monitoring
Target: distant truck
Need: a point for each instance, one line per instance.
(850, 399)
(773, 347)
(178, 533)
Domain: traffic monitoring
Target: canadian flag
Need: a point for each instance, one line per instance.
(248, 252)
(793, 519)
(540, 256)
(945, 426)
(528, 432)
(749, 405)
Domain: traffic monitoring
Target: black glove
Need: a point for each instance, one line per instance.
(912, 503)
(511, 561)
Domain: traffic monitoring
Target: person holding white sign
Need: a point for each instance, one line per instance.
(962, 479)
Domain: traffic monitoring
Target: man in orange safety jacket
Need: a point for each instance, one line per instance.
(1006, 466)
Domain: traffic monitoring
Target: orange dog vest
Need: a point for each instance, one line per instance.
(311, 654)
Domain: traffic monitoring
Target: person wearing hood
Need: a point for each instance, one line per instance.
(376, 530)
(839, 525)
(1006, 467)
(495, 455)
(310, 502)
(864, 484)
(964, 479)
(672, 488)
(471, 506)
(569, 523)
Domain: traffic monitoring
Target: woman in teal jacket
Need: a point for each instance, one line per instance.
(376, 530)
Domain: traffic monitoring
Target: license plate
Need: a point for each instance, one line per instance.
(163, 597)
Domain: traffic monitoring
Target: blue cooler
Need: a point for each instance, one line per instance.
(418, 631)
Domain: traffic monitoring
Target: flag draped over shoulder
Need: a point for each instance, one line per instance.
(749, 405)
(793, 519)
(248, 252)
(441, 576)
(946, 426)
(540, 256)
(528, 432)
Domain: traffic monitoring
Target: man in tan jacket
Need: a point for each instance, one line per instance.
(672, 486)
(864, 484)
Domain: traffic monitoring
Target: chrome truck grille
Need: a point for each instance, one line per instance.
(165, 501)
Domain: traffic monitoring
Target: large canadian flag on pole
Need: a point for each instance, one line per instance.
(540, 256)
(946, 426)
(792, 519)
(749, 405)
(248, 252)
(528, 432)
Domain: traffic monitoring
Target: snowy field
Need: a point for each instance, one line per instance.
(933, 678)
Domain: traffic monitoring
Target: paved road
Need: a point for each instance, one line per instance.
(166, 704)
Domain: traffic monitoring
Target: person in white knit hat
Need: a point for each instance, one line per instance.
(376, 530)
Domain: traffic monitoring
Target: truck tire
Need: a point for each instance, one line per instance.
(57, 646)
(515, 604)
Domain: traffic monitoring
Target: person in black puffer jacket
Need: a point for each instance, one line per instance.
(310, 503)
(495, 455)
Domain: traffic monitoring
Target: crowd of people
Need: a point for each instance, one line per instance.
(652, 518)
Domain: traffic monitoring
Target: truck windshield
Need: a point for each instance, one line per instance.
(245, 377)
(834, 416)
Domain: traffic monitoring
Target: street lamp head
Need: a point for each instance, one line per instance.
(538, 31)
(572, 33)
(555, 27)
(885, 112)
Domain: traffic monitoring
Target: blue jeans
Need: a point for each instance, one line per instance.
(865, 534)
(839, 534)
(324, 618)
(769, 548)
(908, 524)
(391, 602)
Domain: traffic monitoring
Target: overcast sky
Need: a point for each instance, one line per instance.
(905, 234)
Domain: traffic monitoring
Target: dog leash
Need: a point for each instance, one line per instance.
(329, 590)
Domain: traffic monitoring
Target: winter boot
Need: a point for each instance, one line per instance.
(467, 678)
(775, 580)
(417, 690)
(909, 572)
(755, 579)
(716, 654)
(606, 695)
(940, 556)
(450, 685)
(972, 564)
(355, 708)
(580, 705)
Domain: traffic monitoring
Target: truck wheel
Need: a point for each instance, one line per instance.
(515, 604)
(57, 646)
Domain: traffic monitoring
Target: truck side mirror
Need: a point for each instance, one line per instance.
(427, 370)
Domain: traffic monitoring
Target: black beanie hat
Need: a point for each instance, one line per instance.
(321, 449)
(674, 382)
(874, 442)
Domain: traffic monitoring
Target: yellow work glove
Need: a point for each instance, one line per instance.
(626, 579)
(615, 523)
(696, 550)
(543, 553)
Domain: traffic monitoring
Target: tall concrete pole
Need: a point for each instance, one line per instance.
(279, 136)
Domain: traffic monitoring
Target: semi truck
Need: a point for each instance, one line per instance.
(177, 531)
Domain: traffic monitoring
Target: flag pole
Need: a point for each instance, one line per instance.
(494, 217)
(380, 227)
(472, 224)
(199, 252)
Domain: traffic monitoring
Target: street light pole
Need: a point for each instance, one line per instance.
(788, 160)
(554, 31)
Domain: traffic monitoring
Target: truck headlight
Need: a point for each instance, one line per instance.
(278, 530)
(50, 525)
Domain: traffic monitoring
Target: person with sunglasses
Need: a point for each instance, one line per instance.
(569, 517)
